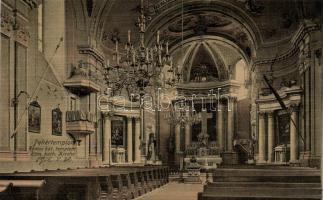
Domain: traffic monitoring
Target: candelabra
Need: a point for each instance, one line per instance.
(140, 66)
(183, 115)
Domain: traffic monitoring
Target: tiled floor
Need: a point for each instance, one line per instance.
(174, 191)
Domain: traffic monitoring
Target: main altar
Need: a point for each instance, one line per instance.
(202, 154)
(207, 141)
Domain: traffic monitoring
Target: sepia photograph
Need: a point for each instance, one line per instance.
(161, 99)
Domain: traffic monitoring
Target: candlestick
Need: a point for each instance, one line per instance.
(129, 36)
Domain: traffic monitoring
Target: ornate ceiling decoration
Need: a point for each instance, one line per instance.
(199, 23)
(250, 24)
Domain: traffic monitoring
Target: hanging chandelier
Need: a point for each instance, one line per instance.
(140, 66)
(182, 114)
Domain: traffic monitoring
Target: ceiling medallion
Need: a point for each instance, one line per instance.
(198, 23)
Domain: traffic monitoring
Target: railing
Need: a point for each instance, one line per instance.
(78, 115)
(87, 70)
(196, 150)
(80, 122)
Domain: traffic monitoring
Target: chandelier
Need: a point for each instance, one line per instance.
(182, 115)
(140, 66)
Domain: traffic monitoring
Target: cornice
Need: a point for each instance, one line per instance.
(84, 49)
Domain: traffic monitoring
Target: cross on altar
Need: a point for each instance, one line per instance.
(205, 116)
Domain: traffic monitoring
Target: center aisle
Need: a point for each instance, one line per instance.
(174, 191)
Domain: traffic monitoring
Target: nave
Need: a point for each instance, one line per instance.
(161, 99)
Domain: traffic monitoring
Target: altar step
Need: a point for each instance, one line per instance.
(267, 175)
(263, 184)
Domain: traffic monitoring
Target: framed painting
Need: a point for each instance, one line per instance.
(56, 121)
(118, 131)
(34, 117)
(283, 122)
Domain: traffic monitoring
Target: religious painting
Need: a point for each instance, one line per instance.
(56, 121)
(118, 131)
(34, 117)
(283, 123)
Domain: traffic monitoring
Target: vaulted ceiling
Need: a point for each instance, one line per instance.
(247, 23)
(247, 26)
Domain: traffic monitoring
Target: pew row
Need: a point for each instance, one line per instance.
(108, 183)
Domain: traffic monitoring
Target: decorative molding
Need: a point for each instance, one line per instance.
(17, 29)
(290, 96)
(108, 114)
(304, 29)
(31, 3)
(91, 51)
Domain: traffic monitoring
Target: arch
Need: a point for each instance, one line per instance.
(229, 10)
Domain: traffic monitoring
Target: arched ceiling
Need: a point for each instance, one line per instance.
(249, 24)
(220, 53)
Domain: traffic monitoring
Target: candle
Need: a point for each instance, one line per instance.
(134, 57)
(158, 37)
(116, 45)
(147, 55)
(108, 63)
(129, 36)
(167, 48)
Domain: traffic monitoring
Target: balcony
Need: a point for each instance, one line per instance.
(84, 79)
(79, 123)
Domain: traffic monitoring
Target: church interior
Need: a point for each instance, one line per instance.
(161, 99)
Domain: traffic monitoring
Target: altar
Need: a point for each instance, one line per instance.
(212, 135)
(203, 153)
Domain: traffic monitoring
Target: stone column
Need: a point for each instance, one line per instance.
(271, 137)
(107, 138)
(129, 140)
(293, 136)
(177, 138)
(137, 141)
(187, 134)
(219, 125)
(230, 129)
(261, 138)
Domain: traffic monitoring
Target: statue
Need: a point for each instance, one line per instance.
(203, 139)
(151, 147)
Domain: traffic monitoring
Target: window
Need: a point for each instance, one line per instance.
(72, 104)
(40, 27)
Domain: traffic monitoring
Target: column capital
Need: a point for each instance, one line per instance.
(108, 114)
(232, 98)
(132, 117)
(261, 113)
(270, 113)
